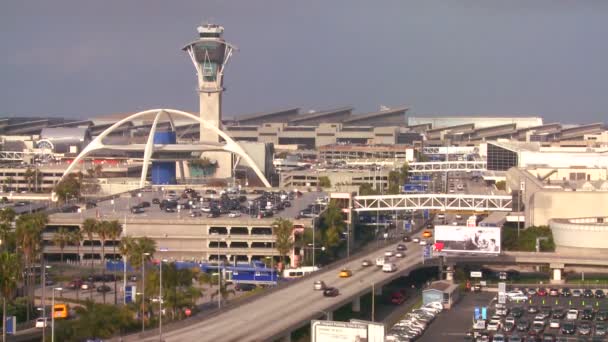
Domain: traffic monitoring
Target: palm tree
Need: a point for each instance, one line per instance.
(103, 231)
(76, 238)
(10, 273)
(29, 175)
(283, 230)
(89, 227)
(29, 233)
(114, 232)
(62, 238)
(7, 215)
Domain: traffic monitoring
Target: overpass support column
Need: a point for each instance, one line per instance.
(378, 291)
(449, 273)
(329, 315)
(287, 337)
(357, 304)
(557, 273)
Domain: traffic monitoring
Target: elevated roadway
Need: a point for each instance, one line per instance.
(278, 313)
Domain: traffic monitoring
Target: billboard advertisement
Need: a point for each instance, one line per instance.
(462, 239)
(333, 331)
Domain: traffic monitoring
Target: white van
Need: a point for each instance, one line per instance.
(381, 261)
(388, 267)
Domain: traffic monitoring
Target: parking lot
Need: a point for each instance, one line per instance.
(559, 314)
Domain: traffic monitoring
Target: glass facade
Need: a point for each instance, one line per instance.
(500, 159)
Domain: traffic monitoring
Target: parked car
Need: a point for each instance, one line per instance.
(104, 288)
(74, 284)
(588, 293)
(599, 293)
(87, 286)
(572, 315)
(331, 292)
(398, 297)
(244, 287)
(42, 322)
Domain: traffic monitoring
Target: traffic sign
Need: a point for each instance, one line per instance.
(130, 293)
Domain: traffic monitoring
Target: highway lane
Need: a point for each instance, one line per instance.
(271, 316)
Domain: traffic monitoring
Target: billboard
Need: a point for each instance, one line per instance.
(462, 239)
(333, 331)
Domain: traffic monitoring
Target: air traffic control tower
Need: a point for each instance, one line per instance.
(210, 54)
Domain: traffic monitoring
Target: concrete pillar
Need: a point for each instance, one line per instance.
(287, 337)
(449, 273)
(329, 315)
(378, 290)
(557, 273)
(356, 304)
(557, 276)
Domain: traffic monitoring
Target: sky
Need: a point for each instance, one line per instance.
(84, 58)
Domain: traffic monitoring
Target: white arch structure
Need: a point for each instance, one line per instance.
(229, 146)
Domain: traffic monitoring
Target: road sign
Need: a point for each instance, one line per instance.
(502, 293)
(484, 313)
(477, 313)
(476, 274)
(130, 293)
(407, 226)
(425, 214)
(427, 252)
(11, 325)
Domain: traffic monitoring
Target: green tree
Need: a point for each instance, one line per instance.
(501, 185)
(332, 226)
(367, 189)
(98, 320)
(29, 176)
(7, 236)
(283, 231)
(89, 228)
(69, 187)
(397, 178)
(9, 182)
(324, 182)
(61, 238)
(10, 273)
(114, 232)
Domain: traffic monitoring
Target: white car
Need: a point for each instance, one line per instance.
(422, 242)
(42, 322)
(380, 261)
(436, 305)
(493, 326)
(389, 267)
(554, 323)
(388, 253)
(234, 214)
(516, 296)
(416, 239)
(572, 314)
(400, 255)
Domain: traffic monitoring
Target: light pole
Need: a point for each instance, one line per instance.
(314, 251)
(160, 303)
(53, 313)
(44, 267)
(143, 292)
(313, 240)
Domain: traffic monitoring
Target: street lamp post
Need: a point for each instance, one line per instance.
(160, 303)
(219, 275)
(44, 267)
(143, 292)
(53, 313)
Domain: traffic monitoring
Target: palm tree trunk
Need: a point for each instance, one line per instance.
(26, 279)
(92, 269)
(3, 318)
(114, 253)
(103, 268)
(62, 254)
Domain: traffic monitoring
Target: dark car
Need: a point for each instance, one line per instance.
(508, 327)
(144, 204)
(74, 284)
(407, 238)
(169, 210)
(401, 247)
(588, 293)
(137, 210)
(331, 292)
(601, 315)
(522, 325)
(155, 201)
(517, 311)
(244, 287)
(599, 293)
(532, 338)
(558, 313)
(541, 292)
(554, 292)
(566, 292)
(532, 309)
(104, 288)
(537, 328)
(213, 214)
(587, 314)
(548, 338)
(568, 328)
(584, 328)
